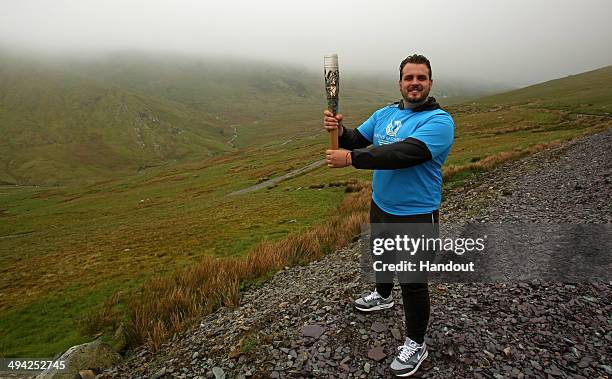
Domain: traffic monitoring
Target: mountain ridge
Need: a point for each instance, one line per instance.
(81, 120)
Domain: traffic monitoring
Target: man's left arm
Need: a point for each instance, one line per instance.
(431, 139)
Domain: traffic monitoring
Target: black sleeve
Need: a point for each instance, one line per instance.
(403, 154)
(352, 139)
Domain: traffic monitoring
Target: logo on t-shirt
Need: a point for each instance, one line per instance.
(393, 128)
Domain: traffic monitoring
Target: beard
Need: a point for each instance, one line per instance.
(423, 94)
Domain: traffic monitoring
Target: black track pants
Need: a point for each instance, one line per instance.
(414, 295)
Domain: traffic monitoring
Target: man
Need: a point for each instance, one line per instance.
(410, 141)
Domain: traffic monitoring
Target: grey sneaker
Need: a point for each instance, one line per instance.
(410, 357)
(373, 302)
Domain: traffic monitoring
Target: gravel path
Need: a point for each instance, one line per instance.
(273, 181)
(301, 323)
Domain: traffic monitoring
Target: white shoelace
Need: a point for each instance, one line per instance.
(372, 296)
(407, 351)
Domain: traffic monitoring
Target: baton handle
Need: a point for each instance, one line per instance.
(333, 139)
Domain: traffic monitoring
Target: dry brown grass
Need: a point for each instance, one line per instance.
(166, 305)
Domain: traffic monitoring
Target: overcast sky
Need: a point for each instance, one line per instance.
(508, 41)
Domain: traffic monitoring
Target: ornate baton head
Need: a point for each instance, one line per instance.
(332, 81)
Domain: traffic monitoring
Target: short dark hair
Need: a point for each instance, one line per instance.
(416, 59)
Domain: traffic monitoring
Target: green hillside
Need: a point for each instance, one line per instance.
(265, 102)
(587, 93)
(550, 111)
(58, 128)
(66, 122)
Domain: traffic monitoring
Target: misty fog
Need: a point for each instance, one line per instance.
(515, 43)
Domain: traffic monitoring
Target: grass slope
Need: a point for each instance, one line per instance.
(59, 128)
(587, 93)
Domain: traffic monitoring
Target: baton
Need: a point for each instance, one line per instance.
(332, 88)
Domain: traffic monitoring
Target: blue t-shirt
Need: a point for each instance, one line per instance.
(417, 189)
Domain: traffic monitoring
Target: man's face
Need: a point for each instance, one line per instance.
(415, 83)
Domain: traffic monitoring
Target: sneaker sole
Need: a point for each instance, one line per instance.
(376, 308)
(410, 373)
